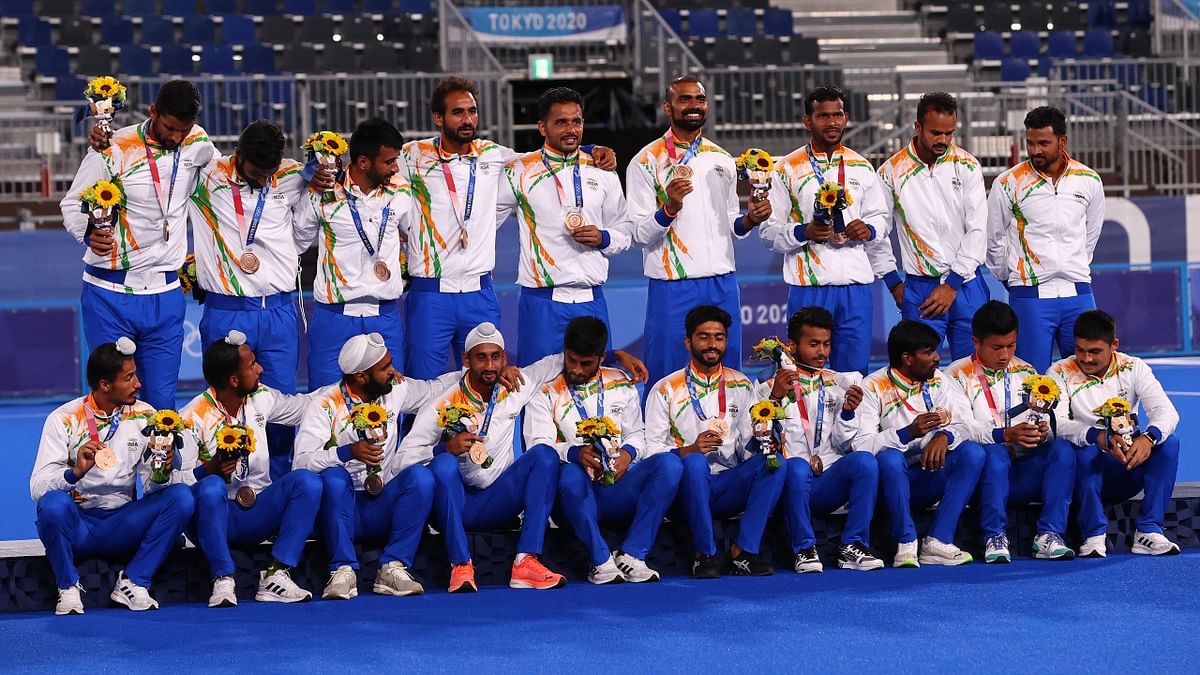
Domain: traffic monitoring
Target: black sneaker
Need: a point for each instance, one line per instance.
(748, 565)
(807, 561)
(855, 556)
(705, 567)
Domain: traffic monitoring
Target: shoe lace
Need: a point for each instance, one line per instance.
(997, 541)
(857, 551)
(1054, 539)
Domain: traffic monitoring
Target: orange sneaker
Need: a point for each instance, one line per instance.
(531, 573)
(462, 578)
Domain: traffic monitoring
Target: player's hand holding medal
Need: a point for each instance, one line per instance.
(459, 418)
(370, 421)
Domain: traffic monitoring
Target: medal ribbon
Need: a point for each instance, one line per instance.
(904, 398)
(599, 398)
(691, 387)
(562, 194)
(158, 189)
(247, 234)
(813, 431)
(1001, 420)
(816, 167)
(687, 156)
(114, 421)
(352, 202)
(470, 205)
(491, 407)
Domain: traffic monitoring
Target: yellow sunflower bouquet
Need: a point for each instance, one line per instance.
(370, 420)
(326, 149)
(1041, 393)
(832, 199)
(105, 95)
(456, 418)
(164, 432)
(101, 202)
(763, 416)
(1113, 407)
(602, 434)
(755, 165)
(187, 278)
(1118, 417)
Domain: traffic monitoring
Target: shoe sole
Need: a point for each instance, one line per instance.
(120, 600)
(223, 602)
(714, 575)
(859, 568)
(69, 612)
(948, 562)
(1142, 550)
(617, 579)
(906, 565)
(382, 589)
(1094, 554)
(653, 578)
(809, 570)
(1069, 555)
(464, 587)
(740, 573)
(272, 597)
(513, 583)
(998, 560)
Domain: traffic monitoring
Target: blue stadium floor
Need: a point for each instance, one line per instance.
(1123, 614)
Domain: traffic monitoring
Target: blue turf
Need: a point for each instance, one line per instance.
(1124, 614)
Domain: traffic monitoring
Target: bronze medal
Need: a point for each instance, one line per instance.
(166, 231)
(944, 415)
(374, 484)
(683, 171)
(105, 458)
(719, 426)
(478, 452)
(245, 497)
(248, 262)
(574, 220)
(381, 271)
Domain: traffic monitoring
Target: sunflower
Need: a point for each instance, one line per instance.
(1041, 388)
(611, 426)
(108, 194)
(763, 412)
(167, 420)
(105, 87)
(229, 439)
(453, 413)
(586, 428)
(334, 143)
(828, 194)
(1113, 407)
(248, 443)
(368, 416)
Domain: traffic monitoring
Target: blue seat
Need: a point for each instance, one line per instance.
(1025, 45)
(702, 23)
(33, 32)
(220, 7)
(176, 59)
(673, 19)
(52, 61)
(260, 7)
(778, 22)
(300, 7)
(379, 6)
(339, 7)
(1061, 45)
(217, 59)
(258, 59)
(16, 8)
(1014, 70)
(989, 46)
(1101, 14)
(198, 30)
(138, 8)
(238, 29)
(180, 8)
(739, 22)
(1138, 14)
(69, 88)
(1098, 44)
(98, 8)
(416, 7)
(157, 31)
(135, 60)
(116, 30)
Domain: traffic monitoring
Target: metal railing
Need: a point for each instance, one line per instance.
(461, 50)
(1177, 28)
(659, 54)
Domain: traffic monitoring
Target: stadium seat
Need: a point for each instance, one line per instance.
(1138, 14)
(181, 8)
(238, 29)
(176, 59)
(1067, 16)
(60, 8)
(766, 52)
(1025, 45)
(279, 30)
(94, 60)
(778, 22)
(16, 8)
(1061, 45)
(753, 4)
(673, 18)
(960, 18)
(416, 7)
(258, 59)
(989, 46)
(1033, 16)
(359, 30)
(997, 17)
(1098, 44)
(1014, 70)
(343, 7)
(220, 7)
(52, 61)
(135, 61)
(385, 7)
(740, 22)
(380, 58)
(1101, 14)
(299, 59)
(300, 7)
(138, 8)
(260, 7)
(69, 88)
(98, 8)
(422, 58)
(158, 31)
(217, 59)
(804, 50)
(729, 52)
(198, 30)
(702, 23)
(116, 30)
(1136, 43)
(316, 30)
(339, 58)
(75, 33)
(33, 32)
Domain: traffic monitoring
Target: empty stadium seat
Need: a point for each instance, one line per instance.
(380, 58)
(379, 6)
(1097, 44)
(1136, 43)
(298, 59)
(766, 52)
(69, 88)
(33, 32)
(778, 22)
(339, 7)
(116, 30)
(181, 8)
(422, 58)
(316, 30)
(62, 8)
(359, 30)
(75, 33)
(93, 60)
(300, 7)
(804, 50)
(729, 52)
(1067, 16)
(260, 7)
(238, 29)
(1101, 14)
(138, 8)
(220, 7)
(258, 59)
(16, 8)
(1033, 16)
(960, 18)
(278, 30)
(1061, 45)
(673, 19)
(703, 23)
(175, 59)
(198, 30)
(1138, 13)
(217, 59)
(101, 9)
(740, 22)
(157, 31)
(339, 58)
(1014, 70)
(989, 46)
(135, 61)
(52, 61)
(416, 6)
(1025, 45)
(997, 16)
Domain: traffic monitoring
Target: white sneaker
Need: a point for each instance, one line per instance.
(635, 570)
(996, 550)
(343, 584)
(906, 555)
(606, 572)
(279, 587)
(1094, 547)
(395, 579)
(937, 552)
(807, 561)
(224, 593)
(131, 595)
(69, 601)
(1050, 546)
(1153, 543)
(855, 556)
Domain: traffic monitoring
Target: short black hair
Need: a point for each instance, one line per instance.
(823, 93)
(371, 135)
(450, 85)
(556, 95)
(261, 144)
(587, 336)
(910, 337)
(937, 101)
(817, 317)
(993, 318)
(1047, 116)
(704, 314)
(221, 362)
(104, 363)
(1096, 324)
(180, 99)
(682, 79)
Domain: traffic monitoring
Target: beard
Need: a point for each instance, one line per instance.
(708, 358)
(687, 124)
(374, 390)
